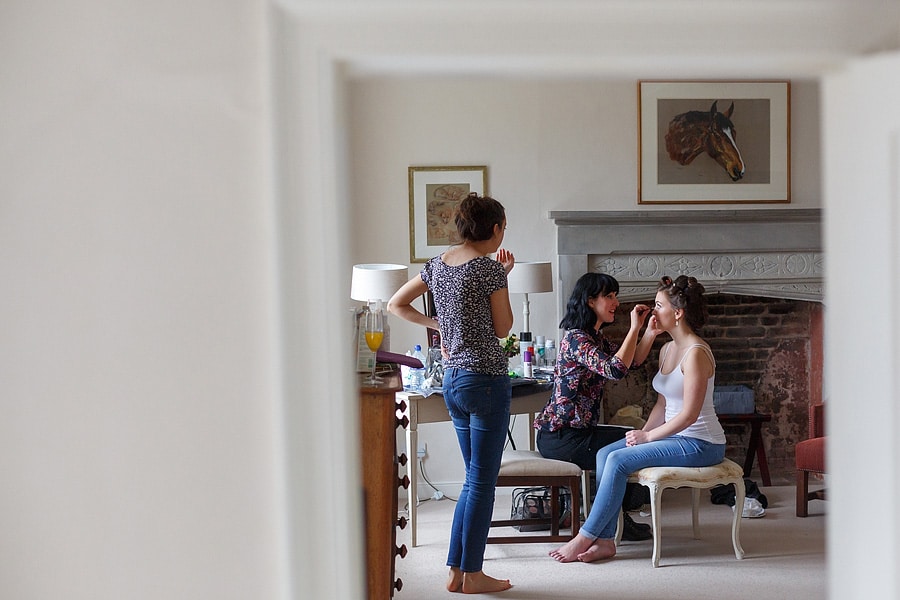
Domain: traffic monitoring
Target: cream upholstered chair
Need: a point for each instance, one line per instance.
(697, 478)
(529, 468)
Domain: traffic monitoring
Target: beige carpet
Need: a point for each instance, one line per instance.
(784, 557)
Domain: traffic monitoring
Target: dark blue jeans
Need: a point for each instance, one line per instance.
(479, 408)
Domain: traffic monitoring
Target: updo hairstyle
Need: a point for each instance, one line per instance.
(686, 293)
(476, 217)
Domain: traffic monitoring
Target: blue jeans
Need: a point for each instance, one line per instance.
(617, 461)
(479, 408)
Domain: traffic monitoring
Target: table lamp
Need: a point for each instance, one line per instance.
(530, 278)
(377, 282)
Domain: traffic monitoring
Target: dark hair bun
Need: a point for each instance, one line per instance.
(687, 293)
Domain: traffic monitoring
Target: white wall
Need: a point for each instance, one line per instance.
(140, 444)
(548, 145)
(862, 221)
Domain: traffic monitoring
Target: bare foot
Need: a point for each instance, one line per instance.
(455, 580)
(479, 583)
(572, 549)
(599, 550)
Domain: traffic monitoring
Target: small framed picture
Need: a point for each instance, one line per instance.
(434, 195)
(714, 142)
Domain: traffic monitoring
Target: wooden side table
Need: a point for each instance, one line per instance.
(755, 447)
(379, 422)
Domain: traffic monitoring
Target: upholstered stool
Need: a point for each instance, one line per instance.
(661, 478)
(527, 468)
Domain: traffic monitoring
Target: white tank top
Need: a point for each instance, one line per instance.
(707, 426)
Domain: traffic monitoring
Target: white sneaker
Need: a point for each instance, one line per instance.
(752, 509)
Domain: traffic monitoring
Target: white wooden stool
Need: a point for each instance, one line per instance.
(697, 478)
(529, 468)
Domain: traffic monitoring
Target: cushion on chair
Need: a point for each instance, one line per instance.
(665, 476)
(518, 463)
(810, 455)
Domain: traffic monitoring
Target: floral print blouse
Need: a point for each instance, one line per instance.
(462, 296)
(585, 360)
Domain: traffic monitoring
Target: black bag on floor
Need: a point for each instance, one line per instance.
(534, 503)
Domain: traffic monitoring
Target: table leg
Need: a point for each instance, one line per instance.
(751, 449)
(412, 471)
(748, 460)
(763, 463)
(756, 449)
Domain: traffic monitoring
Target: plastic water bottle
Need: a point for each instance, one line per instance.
(550, 353)
(405, 372)
(417, 376)
(538, 359)
(434, 368)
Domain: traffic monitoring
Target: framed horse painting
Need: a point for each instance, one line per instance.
(714, 142)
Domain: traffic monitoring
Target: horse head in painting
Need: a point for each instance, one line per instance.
(695, 132)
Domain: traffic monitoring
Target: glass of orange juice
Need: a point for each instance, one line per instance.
(374, 336)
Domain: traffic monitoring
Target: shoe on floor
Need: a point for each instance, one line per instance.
(753, 509)
(634, 532)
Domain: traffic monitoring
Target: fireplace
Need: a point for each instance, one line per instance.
(763, 272)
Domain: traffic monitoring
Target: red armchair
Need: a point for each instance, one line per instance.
(810, 458)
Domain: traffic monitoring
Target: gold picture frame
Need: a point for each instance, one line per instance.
(674, 166)
(434, 195)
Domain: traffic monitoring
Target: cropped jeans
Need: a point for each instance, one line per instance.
(479, 408)
(617, 461)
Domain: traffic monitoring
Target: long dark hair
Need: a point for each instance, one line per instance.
(476, 217)
(590, 285)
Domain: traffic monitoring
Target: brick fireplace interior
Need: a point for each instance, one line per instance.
(772, 346)
(762, 270)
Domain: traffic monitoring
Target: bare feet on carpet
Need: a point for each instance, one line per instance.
(599, 550)
(455, 579)
(585, 550)
(474, 583)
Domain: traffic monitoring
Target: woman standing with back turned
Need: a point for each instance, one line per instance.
(472, 300)
(682, 429)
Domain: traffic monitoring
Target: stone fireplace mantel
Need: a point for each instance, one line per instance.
(768, 253)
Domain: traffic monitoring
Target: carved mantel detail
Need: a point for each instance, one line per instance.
(772, 253)
(795, 275)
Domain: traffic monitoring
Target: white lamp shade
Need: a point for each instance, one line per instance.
(377, 281)
(530, 278)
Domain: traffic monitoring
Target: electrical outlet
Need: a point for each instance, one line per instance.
(421, 452)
